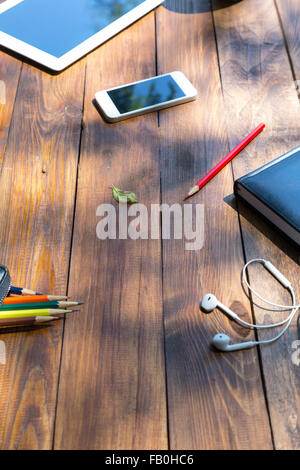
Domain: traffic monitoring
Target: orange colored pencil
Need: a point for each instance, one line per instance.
(24, 299)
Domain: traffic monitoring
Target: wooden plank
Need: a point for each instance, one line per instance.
(216, 400)
(9, 76)
(112, 387)
(289, 11)
(37, 180)
(258, 86)
(10, 69)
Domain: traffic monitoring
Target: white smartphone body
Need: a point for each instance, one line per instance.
(145, 96)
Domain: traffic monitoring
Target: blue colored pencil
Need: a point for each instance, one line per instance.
(22, 291)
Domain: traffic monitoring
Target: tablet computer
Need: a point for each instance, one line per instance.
(56, 33)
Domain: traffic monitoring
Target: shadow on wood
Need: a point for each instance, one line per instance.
(265, 227)
(198, 6)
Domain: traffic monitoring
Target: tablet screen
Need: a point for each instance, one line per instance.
(57, 26)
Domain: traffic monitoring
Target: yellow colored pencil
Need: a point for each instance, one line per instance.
(32, 313)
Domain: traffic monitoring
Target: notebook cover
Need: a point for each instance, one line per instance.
(277, 186)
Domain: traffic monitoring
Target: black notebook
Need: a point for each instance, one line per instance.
(274, 191)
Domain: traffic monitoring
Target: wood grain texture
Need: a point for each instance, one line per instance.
(258, 86)
(216, 401)
(289, 13)
(9, 76)
(112, 377)
(37, 179)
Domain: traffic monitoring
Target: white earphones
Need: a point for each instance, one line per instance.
(210, 302)
(221, 342)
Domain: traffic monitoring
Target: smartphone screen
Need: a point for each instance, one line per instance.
(144, 94)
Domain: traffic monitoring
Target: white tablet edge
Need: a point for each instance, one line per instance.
(58, 64)
(9, 4)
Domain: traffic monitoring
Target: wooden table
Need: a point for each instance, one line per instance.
(134, 368)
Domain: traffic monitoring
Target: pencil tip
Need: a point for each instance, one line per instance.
(45, 319)
(58, 311)
(57, 297)
(69, 304)
(193, 191)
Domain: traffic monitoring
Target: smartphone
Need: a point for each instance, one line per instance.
(145, 96)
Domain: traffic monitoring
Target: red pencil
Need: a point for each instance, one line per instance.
(225, 160)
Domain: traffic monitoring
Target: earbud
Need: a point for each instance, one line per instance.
(221, 342)
(210, 302)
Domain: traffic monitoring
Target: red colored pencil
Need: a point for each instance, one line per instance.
(225, 160)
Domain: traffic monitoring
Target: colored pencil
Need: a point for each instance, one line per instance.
(39, 305)
(22, 299)
(27, 321)
(22, 291)
(224, 161)
(32, 313)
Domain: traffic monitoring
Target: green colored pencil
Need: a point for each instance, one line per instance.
(38, 305)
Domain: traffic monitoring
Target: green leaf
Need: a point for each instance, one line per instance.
(123, 196)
